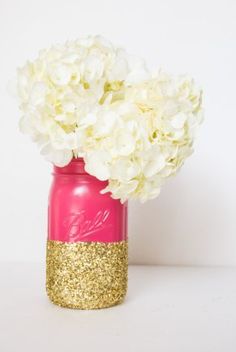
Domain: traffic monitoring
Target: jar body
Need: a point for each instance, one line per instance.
(87, 250)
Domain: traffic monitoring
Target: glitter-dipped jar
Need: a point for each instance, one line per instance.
(87, 249)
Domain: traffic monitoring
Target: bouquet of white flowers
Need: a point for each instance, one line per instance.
(89, 99)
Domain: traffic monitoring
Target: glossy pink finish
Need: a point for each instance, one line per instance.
(78, 212)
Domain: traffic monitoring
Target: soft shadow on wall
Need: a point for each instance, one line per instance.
(183, 226)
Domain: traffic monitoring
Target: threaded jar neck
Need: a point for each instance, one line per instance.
(76, 166)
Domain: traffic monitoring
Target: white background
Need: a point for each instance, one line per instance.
(193, 220)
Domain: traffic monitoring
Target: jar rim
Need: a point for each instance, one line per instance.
(75, 166)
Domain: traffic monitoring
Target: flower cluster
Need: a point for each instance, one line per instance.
(89, 99)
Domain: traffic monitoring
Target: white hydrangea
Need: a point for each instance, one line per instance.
(89, 99)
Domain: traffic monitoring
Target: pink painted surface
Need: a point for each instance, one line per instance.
(78, 212)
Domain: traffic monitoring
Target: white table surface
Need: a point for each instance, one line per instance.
(168, 309)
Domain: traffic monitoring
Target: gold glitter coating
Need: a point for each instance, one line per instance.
(86, 275)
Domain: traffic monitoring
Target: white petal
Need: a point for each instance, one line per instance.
(124, 170)
(38, 93)
(179, 120)
(57, 157)
(124, 143)
(138, 71)
(96, 164)
(60, 74)
(105, 122)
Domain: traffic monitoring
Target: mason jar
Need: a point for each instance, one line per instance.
(87, 248)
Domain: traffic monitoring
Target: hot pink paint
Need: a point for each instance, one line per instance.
(78, 212)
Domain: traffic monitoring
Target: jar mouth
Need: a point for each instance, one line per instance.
(77, 160)
(75, 166)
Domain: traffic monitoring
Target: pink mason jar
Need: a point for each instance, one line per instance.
(87, 249)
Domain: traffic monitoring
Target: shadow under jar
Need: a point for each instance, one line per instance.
(87, 248)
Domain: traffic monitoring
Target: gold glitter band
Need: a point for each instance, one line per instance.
(87, 275)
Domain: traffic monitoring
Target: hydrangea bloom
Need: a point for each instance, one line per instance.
(88, 99)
